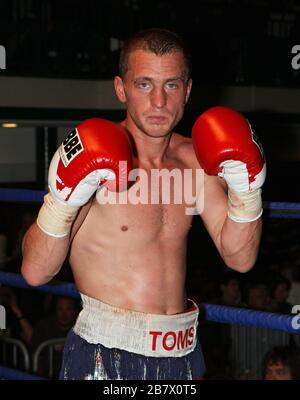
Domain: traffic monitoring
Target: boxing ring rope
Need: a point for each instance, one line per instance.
(13, 374)
(212, 312)
(241, 316)
(216, 313)
(55, 287)
(21, 195)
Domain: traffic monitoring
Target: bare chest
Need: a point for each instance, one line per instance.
(159, 202)
(144, 219)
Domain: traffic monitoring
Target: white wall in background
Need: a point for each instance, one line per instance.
(88, 94)
(57, 93)
(17, 155)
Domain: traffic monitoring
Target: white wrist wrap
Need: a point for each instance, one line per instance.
(244, 206)
(55, 218)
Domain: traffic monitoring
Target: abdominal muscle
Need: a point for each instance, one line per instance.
(133, 256)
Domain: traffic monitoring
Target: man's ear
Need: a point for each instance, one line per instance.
(119, 89)
(188, 90)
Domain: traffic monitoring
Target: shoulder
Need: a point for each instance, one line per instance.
(183, 149)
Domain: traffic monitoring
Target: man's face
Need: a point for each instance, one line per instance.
(66, 312)
(232, 288)
(258, 298)
(281, 293)
(155, 90)
(278, 372)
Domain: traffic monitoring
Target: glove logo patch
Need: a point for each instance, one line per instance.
(70, 148)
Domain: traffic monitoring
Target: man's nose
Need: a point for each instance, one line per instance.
(158, 97)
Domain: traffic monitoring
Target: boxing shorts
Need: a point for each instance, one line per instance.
(109, 343)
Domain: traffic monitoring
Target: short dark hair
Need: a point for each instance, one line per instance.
(255, 285)
(75, 302)
(276, 282)
(157, 41)
(286, 355)
(228, 277)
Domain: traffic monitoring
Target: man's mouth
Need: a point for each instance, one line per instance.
(158, 119)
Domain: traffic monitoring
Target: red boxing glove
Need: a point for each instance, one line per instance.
(90, 155)
(96, 152)
(226, 145)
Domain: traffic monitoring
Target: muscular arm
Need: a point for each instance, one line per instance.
(237, 243)
(226, 145)
(43, 255)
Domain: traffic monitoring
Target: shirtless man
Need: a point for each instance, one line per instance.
(129, 260)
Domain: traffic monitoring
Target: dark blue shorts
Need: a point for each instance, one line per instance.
(86, 361)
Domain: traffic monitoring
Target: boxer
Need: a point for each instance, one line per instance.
(129, 260)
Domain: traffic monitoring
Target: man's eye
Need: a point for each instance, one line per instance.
(172, 85)
(143, 85)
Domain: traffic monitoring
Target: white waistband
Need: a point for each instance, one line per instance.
(142, 333)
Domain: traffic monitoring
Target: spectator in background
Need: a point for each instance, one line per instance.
(281, 363)
(53, 327)
(4, 258)
(31, 300)
(215, 337)
(257, 297)
(231, 290)
(17, 324)
(292, 274)
(279, 291)
(15, 260)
